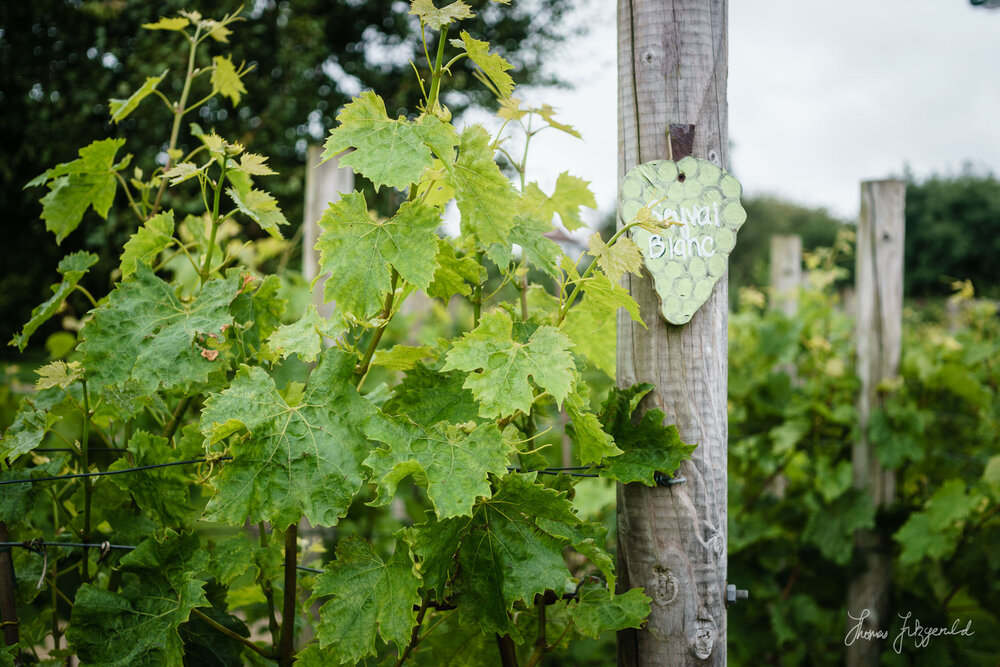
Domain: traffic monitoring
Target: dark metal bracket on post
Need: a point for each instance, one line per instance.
(662, 479)
(681, 139)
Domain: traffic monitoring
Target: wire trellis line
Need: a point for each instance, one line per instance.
(111, 472)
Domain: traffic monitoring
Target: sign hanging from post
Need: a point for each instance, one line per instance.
(685, 259)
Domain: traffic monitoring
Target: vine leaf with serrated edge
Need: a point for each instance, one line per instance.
(486, 200)
(359, 251)
(501, 370)
(452, 462)
(298, 459)
(155, 235)
(371, 597)
(438, 17)
(648, 446)
(598, 610)
(72, 268)
(388, 152)
(144, 332)
(492, 65)
(120, 109)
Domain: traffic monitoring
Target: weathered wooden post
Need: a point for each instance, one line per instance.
(324, 183)
(879, 294)
(672, 68)
(786, 273)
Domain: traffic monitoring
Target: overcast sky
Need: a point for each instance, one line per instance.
(821, 96)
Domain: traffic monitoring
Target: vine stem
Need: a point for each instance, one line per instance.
(362, 370)
(206, 269)
(286, 647)
(232, 635)
(586, 274)
(265, 584)
(8, 607)
(179, 112)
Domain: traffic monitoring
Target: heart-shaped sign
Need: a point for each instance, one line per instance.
(687, 259)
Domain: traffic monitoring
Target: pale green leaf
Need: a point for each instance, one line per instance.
(87, 182)
(120, 109)
(31, 422)
(454, 275)
(260, 207)
(176, 23)
(371, 597)
(570, 194)
(72, 267)
(253, 164)
(598, 611)
(146, 333)
(437, 18)
(502, 370)
(58, 374)
(934, 531)
(401, 357)
(548, 114)
(155, 235)
(305, 337)
(588, 433)
(360, 251)
(452, 462)
(486, 200)
(226, 80)
(184, 171)
(492, 65)
(593, 333)
(301, 459)
(388, 152)
(616, 260)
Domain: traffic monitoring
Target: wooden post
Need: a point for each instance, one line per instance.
(879, 294)
(8, 607)
(672, 67)
(786, 273)
(324, 184)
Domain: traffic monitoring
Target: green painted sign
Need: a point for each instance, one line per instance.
(688, 258)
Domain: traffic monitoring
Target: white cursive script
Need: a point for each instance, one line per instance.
(911, 629)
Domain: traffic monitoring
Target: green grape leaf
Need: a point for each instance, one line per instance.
(594, 443)
(144, 332)
(451, 462)
(176, 23)
(253, 164)
(832, 527)
(598, 611)
(401, 357)
(454, 275)
(486, 200)
(504, 555)
(138, 627)
(934, 531)
(120, 109)
(260, 207)
(371, 597)
(155, 235)
(87, 182)
(492, 65)
(31, 422)
(570, 194)
(226, 80)
(607, 297)
(616, 260)
(437, 18)
(389, 152)
(298, 459)
(593, 333)
(17, 500)
(359, 251)
(72, 268)
(58, 374)
(649, 446)
(305, 337)
(542, 252)
(427, 397)
(163, 493)
(501, 369)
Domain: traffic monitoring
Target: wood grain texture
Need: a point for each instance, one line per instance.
(672, 69)
(879, 332)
